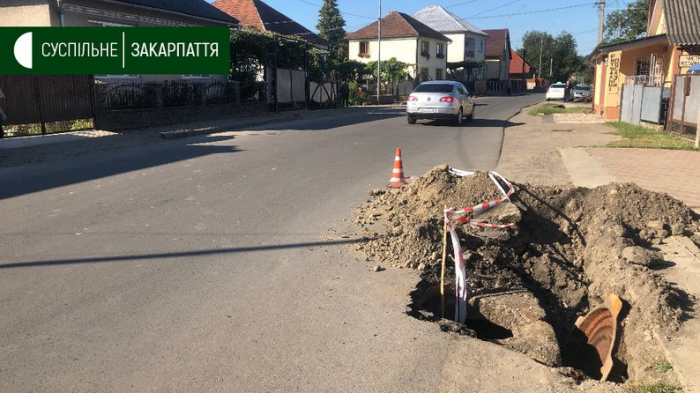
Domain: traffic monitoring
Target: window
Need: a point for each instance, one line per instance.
(438, 73)
(439, 51)
(364, 49)
(196, 76)
(469, 47)
(423, 74)
(424, 48)
(108, 24)
(435, 88)
(481, 46)
(642, 66)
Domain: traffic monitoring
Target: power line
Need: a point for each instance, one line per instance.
(494, 9)
(344, 13)
(463, 3)
(533, 12)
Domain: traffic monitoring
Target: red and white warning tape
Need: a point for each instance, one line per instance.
(495, 177)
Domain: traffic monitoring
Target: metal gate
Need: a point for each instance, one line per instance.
(41, 104)
(631, 105)
(685, 101)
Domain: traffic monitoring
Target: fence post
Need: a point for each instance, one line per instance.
(697, 131)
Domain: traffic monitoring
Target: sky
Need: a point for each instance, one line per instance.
(578, 17)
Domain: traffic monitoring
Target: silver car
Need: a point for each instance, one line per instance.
(440, 100)
(582, 92)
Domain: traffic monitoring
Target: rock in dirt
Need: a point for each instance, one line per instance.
(641, 256)
(377, 268)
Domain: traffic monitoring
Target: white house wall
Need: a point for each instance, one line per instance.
(405, 50)
(455, 51)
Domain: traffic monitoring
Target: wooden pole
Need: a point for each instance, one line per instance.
(442, 271)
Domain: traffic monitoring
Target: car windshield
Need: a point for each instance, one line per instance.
(580, 87)
(434, 88)
(557, 86)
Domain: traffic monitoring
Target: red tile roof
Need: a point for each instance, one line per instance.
(397, 25)
(496, 42)
(257, 14)
(517, 64)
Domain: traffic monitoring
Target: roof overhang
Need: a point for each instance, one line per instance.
(629, 45)
(233, 23)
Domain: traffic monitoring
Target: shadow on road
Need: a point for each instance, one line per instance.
(184, 254)
(352, 116)
(476, 123)
(16, 181)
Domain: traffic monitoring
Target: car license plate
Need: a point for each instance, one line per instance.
(427, 110)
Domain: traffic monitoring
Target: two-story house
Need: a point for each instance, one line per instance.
(406, 39)
(468, 42)
(497, 54)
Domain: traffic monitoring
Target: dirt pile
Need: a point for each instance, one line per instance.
(570, 248)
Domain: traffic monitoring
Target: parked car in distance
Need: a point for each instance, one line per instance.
(582, 92)
(556, 91)
(440, 100)
(694, 69)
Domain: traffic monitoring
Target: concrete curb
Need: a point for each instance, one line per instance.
(169, 135)
(253, 122)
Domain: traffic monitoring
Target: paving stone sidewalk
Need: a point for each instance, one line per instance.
(557, 150)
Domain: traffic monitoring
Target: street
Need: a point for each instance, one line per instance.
(225, 263)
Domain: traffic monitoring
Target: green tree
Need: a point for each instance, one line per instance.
(535, 43)
(558, 54)
(392, 70)
(331, 26)
(626, 24)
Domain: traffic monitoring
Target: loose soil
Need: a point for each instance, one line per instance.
(528, 285)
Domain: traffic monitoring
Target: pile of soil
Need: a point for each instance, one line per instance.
(571, 247)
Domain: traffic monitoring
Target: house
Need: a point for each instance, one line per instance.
(262, 17)
(406, 39)
(59, 13)
(468, 42)
(520, 72)
(498, 52)
(671, 45)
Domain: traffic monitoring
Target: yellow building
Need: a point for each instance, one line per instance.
(671, 46)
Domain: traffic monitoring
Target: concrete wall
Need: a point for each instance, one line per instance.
(25, 13)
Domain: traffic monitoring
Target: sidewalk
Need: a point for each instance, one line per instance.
(560, 150)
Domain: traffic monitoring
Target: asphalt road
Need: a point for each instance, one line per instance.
(217, 263)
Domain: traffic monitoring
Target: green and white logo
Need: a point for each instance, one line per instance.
(23, 50)
(115, 50)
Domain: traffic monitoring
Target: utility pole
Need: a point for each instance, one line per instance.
(539, 68)
(551, 63)
(379, 52)
(601, 17)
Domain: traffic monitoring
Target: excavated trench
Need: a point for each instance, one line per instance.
(571, 247)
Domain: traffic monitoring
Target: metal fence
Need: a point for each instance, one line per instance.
(43, 104)
(684, 107)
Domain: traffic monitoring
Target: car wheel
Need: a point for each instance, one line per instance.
(458, 118)
(471, 115)
(411, 119)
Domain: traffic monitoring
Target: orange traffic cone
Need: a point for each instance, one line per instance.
(397, 177)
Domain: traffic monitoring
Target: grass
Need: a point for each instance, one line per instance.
(656, 388)
(644, 138)
(662, 367)
(550, 109)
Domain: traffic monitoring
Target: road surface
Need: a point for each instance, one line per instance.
(222, 263)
